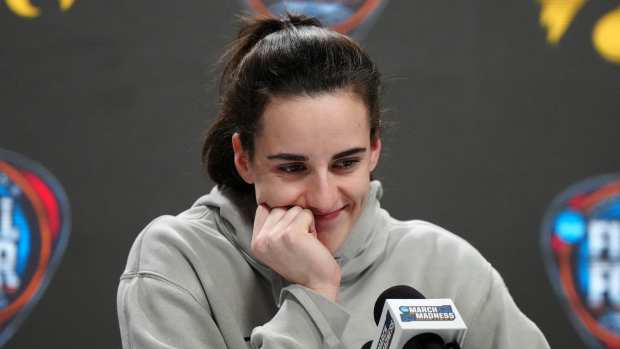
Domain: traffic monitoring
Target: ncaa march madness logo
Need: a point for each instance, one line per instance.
(352, 17)
(34, 229)
(581, 245)
(426, 313)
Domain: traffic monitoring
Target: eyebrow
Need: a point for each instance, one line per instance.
(299, 157)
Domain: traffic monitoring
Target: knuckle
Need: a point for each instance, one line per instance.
(307, 214)
(254, 245)
(259, 246)
(278, 211)
(296, 209)
(287, 235)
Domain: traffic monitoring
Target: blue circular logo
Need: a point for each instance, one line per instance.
(353, 17)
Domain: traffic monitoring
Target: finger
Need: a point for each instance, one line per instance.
(305, 222)
(288, 218)
(313, 229)
(275, 215)
(260, 217)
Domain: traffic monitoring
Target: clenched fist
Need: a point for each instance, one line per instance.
(285, 239)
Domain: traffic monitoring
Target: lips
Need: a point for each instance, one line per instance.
(327, 217)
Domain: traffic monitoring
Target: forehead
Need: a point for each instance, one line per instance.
(329, 120)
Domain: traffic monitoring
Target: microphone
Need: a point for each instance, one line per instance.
(405, 319)
(394, 292)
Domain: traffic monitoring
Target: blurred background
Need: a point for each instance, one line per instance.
(500, 114)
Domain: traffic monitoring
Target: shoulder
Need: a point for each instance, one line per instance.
(169, 245)
(447, 265)
(431, 237)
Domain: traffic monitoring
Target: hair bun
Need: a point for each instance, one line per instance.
(253, 30)
(259, 27)
(299, 20)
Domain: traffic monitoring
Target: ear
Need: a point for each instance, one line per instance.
(375, 153)
(242, 160)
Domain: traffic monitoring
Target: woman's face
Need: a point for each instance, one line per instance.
(316, 153)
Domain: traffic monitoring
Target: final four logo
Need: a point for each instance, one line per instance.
(581, 242)
(34, 229)
(353, 17)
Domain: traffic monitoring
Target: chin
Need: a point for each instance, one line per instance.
(333, 239)
(331, 249)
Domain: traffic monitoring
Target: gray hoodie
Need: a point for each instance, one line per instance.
(191, 282)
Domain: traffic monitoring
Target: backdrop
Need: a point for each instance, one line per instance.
(493, 112)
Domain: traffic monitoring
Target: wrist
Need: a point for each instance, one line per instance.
(328, 289)
(329, 292)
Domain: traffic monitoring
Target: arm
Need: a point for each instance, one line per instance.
(286, 241)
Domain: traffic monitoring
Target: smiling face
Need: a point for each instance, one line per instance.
(314, 152)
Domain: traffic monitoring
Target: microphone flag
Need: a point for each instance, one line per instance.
(403, 319)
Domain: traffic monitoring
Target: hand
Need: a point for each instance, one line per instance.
(286, 241)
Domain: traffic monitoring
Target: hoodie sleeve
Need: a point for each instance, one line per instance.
(499, 323)
(155, 313)
(305, 320)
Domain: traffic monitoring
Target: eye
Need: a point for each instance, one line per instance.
(346, 164)
(292, 168)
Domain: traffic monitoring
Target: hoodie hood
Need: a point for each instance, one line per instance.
(364, 244)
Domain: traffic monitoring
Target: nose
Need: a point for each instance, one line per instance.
(321, 194)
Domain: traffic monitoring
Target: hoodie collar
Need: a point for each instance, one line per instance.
(363, 245)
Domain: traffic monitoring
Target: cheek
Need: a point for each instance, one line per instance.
(274, 193)
(358, 187)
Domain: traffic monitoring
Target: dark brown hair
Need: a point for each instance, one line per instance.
(279, 57)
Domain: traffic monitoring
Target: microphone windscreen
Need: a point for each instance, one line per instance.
(425, 341)
(395, 292)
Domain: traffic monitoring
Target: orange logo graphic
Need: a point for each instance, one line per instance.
(557, 15)
(25, 8)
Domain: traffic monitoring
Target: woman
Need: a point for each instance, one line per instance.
(291, 248)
